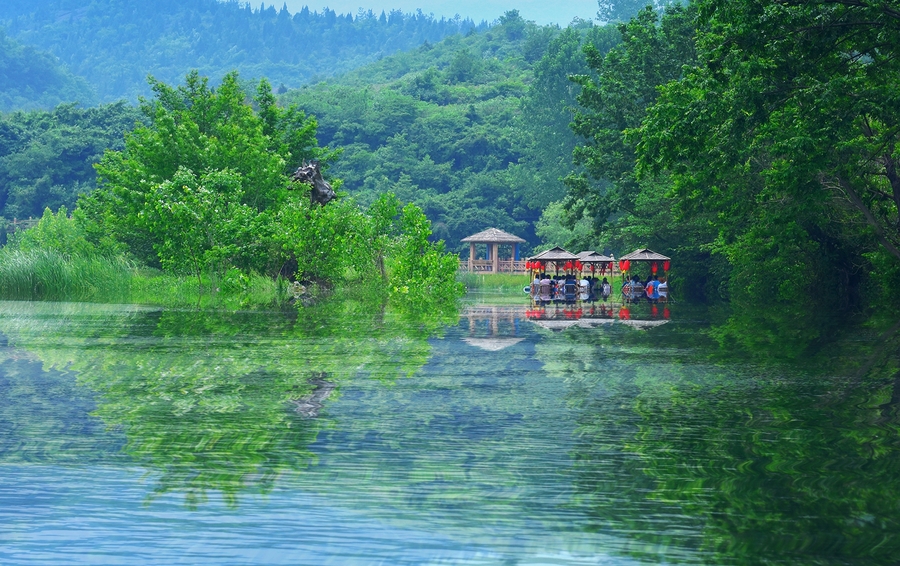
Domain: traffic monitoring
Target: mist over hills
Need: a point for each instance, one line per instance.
(31, 79)
(115, 45)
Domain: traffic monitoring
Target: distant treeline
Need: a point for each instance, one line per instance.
(116, 44)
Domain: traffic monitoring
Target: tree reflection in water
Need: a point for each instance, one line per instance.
(215, 401)
(743, 458)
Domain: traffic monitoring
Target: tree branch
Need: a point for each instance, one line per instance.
(870, 218)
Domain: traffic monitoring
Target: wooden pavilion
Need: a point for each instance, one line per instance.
(655, 260)
(597, 263)
(493, 238)
(643, 254)
(556, 256)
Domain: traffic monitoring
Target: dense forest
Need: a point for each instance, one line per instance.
(473, 129)
(758, 142)
(116, 44)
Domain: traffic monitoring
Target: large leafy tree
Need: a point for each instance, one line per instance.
(787, 129)
(202, 184)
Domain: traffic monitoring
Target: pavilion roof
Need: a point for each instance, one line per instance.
(644, 254)
(493, 236)
(594, 257)
(555, 254)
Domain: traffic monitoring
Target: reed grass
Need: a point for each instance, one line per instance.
(154, 287)
(45, 275)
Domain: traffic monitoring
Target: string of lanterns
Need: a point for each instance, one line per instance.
(603, 268)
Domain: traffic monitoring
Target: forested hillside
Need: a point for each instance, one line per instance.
(473, 129)
(116, 44)
(47, 157)
(30, 79)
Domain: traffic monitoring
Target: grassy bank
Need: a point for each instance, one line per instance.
(498, 283)
(40, 275)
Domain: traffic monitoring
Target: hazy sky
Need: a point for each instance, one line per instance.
(540, 11)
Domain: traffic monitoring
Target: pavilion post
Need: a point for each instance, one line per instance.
(472, 257)
(496, 258)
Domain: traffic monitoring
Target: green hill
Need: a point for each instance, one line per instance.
(473, 129)
(30, 79)
(115, 44)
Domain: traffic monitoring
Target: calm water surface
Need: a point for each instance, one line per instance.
(348, 434)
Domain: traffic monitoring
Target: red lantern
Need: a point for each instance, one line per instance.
(568, 265)
(666, 313)
(622, 265)
(654, 268)
(666, 265)
(592, 267)
(624, 314)
(654, 311)
(578, 265)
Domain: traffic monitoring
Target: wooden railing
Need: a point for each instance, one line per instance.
(510, 266)
(487, 266)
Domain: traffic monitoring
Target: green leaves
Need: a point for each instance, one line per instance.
(201, 183)
(786, 129)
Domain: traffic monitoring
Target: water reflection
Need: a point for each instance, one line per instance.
(493, 328)
(213, 401)
(508, 434)
(559, 317)
(742, 463)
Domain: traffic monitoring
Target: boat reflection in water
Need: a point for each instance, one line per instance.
(560, 317)
(494, 328)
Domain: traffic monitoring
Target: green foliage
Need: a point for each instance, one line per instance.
(782, 135)
(420, 269)
(624, 10)
(54, 232)
(626, 210)
(555, 229)
(469, 129)
(199, 187)
(203, 190)
(49, 275)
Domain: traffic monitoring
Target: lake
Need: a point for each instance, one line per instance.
(350, 433)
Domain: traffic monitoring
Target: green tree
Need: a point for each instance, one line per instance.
(786, 129)
(627, 210)
(47, 157)
(197, 187)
